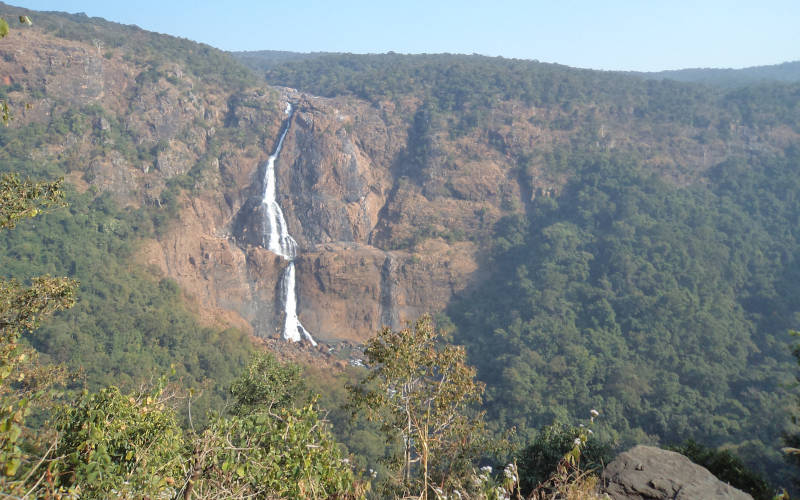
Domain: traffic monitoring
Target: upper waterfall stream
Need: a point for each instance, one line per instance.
(277, 239)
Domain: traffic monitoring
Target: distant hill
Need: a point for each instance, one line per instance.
(132, 119)
(262, 60)
(726, 77)
(210, 65)
(787, 72)
(640, 247)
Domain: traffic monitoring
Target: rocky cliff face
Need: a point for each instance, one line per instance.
(388, 207)
(132, 129)
(648, 473)
(335, 177)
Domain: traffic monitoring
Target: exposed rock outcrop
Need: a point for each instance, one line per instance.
(356, 288)
(645, 473)
(388, 205)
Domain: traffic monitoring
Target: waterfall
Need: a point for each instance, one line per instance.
(278, 240)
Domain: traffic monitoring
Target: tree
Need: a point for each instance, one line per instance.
(113, 444)
(539, 461)
(267, 384)
(792, 440)
(21, 310)
(422, 393)
(274, 443)
(288, 453)
(23, 199)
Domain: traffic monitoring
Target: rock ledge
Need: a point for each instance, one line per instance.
(645, 473)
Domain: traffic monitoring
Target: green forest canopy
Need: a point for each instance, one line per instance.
(667, 308)
(664, 306)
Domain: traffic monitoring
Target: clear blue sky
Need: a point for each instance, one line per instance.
(643, 35)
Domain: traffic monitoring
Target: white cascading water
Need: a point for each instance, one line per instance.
(277, 239)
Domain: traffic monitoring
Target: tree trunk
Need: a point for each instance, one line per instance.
(197, 469)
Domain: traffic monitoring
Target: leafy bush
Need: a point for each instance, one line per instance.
(538, 461)
(288, 453)
(126, 446)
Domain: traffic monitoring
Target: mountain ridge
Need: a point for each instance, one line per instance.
(786, 72)
(591, 232)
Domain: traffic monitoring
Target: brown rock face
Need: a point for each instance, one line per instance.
(334, 179)
(387, 204)
(335, 189)
(645, 473)
(230, 284)
(356, 288)
(335, 176)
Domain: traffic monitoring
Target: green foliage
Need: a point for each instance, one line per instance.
(538, 461)
(21, 310)
(288, 453)
(273, 444)
(791, 439)
(662, 305)
(126, 446)
(362, 439)
(727, 467)
(422, 392)
(110, 444)
(23, 199)
(469, 87)
(128, 324)
(267, 385)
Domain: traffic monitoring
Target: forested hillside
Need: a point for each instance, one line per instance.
(595, 241)
(470, 85)
(210, 65)
(131, 323)
(666, 307)
(661, 291)
(787, 72)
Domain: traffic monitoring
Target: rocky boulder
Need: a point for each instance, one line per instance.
(645, 473)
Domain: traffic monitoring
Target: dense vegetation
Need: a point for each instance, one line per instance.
(108, 444)
(271, 442)
(128, 325)
(261, 60)
(471, 85)
(730, 78)
(665, 307)
(462, 83)
(788, 72)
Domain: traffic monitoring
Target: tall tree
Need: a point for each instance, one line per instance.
(21, 310)
(274, 444)
(422, 393)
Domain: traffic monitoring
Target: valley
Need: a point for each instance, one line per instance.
(593, 239)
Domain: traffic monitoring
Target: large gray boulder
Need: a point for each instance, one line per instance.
(645, 473)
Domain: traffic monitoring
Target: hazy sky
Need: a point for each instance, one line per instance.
(644, 35)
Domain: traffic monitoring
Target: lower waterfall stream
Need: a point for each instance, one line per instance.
(277, 239)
